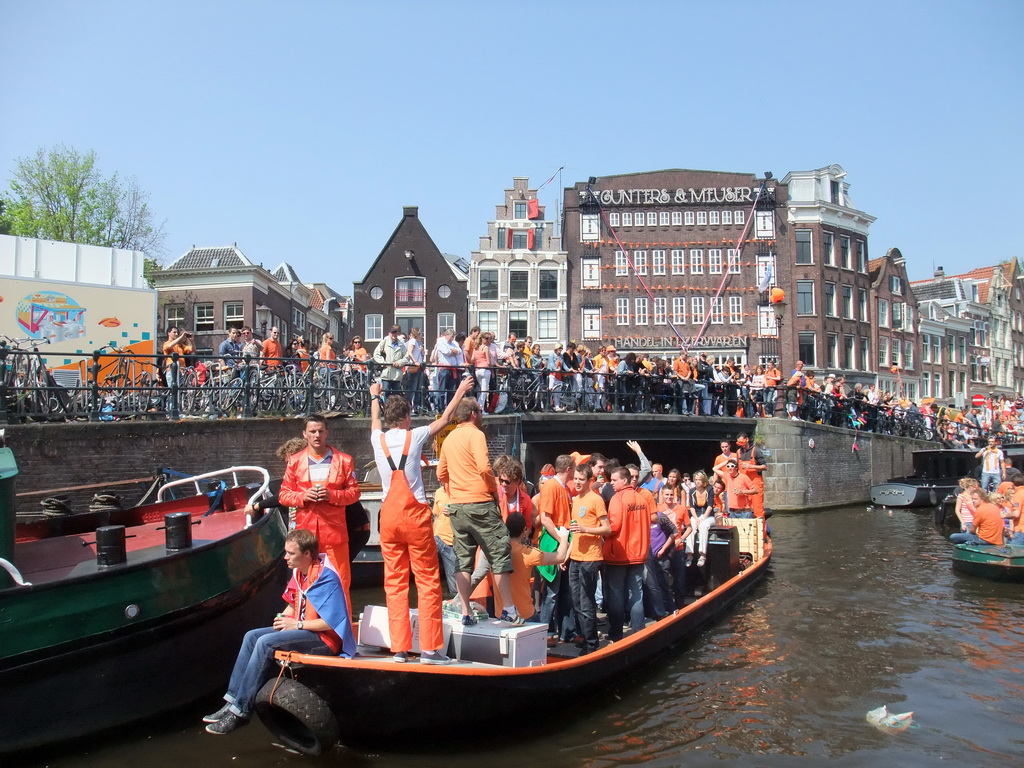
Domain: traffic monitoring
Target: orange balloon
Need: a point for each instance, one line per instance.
(777, 295)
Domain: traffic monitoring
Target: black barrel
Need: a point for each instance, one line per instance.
(178, 530)
(110, 548)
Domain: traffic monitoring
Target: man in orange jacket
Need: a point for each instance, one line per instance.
(319, 482)
(406, 527)
(625, 552)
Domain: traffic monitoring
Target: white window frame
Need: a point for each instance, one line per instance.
(713, 218)
(732, 259)
(726, 218)
(678, 261)
(689, 218)
(590, 271)
(445, 320)
(640, 262)
(488, 321)
(237, 317)
(739, 218)
(547, 324)
(677, 219)
(621, 265)
(641, 308)
(714, 261)
(702, 218)
(627, 219)
(613, 219)
(735, 310)
(591, 221)
(621, 311)
(652, 219)
(660, 310)
(678, 310)
(373, 327)
(658, 262)
(202, 317)
(696, 261)
(174, 315)
(717, 313)
(591, 322)
(697, 310)
(663, 219)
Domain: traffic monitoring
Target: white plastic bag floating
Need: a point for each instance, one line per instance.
(881, 719)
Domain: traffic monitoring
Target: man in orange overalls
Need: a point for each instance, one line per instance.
(752, 464)
(406, 526)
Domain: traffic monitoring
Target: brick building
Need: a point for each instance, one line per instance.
(895, 317)
(209, 290)
(411, 283)
(518, 278)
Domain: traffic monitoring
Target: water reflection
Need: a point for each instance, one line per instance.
(861, 608)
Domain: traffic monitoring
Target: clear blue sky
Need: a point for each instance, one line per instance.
(300, 129)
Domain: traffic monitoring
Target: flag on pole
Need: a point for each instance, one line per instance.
(766, 281)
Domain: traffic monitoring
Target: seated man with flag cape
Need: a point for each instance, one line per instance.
(316, 620)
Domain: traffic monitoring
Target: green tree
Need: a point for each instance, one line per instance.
(59, 194)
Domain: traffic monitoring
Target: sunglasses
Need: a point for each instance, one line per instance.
(505, 481)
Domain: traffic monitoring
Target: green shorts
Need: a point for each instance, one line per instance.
(480, 525)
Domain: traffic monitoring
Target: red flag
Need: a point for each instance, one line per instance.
(533, 209)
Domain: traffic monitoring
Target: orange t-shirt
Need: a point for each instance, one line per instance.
(554, 502)
(630, 518)
(464, 468)
(680, 516)
(988, 524)
(588, 510)
(273, 348)
(524, 560)
(738, 489)
(442, 523)
(1018, 501)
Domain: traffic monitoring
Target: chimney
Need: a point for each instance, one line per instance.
(940, 272)
(411, 211)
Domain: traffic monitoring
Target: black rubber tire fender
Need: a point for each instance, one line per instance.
(297, 716)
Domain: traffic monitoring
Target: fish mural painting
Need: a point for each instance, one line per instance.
(51, 315)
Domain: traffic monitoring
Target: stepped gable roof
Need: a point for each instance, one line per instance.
(209, 258)
(285, 273)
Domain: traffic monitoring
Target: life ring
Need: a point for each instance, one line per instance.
(297, 716)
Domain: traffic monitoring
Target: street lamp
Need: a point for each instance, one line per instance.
(263, 319)
(777, 300)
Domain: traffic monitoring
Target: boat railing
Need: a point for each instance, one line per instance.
(195, 480)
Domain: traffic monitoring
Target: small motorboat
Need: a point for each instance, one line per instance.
(1005, 563)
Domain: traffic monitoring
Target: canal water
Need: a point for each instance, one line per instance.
(860, 609)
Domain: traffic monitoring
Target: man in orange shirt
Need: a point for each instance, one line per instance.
(464, 470)
(740, 491)
(987, 527)
(555, 507)
(589, 525)
(524, 559)
(319, 482)
(625, 552)
(1015, 517)
(272, 348)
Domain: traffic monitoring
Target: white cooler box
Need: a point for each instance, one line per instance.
(374, 629)
(498, 643)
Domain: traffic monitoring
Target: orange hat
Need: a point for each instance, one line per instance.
(580, 458)
(548, 470)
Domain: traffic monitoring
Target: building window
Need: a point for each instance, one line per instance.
(641, 311)
(519, 208)
(678, 261)
(652, 219)
(374, 329)
(697, 310)
(677, 219)
(844, 252)
(764, 261)
(204, 317)
(640, 262)
(883, 351)
(862, 305)
(518, 284)
(714, 261)
(883, 313)
(738, 217)
(807, 347)
(590, 228)
(726, 217)
(734, 261)
(548, 284)
(591, 269)
(862, 257)
(689, 218)
(660, 311)
(657, 262)
(828, 246)
(488, 322)
(613, 219)
(805, 298)
(520, 239)
(803, 247)
(848, 351)
(735, 310)
(896, 285)
(445, 320)
(865, 354)
(697, 262)
(713, 217)
(936, 350)
(234, 314)
(518, 323)
(547, 324)
(591, 322)
(897, 314)
(298, 320)
(444, 291)
(627, 219)
(702, 217)
(410, 292)
(716, 310)
(937, 385)
(832, 350)
(848, 302)
(622, 311)
(908, 355)
(926, 348)
(764, 225)
(175, 314)
(376, 293)
(897, 352)
(663, 218)
(488, 284)
(408, 323)
(678, 310)
(621, 265)
(830, 299)
(834, 190)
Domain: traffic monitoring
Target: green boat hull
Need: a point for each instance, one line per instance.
(994, 563)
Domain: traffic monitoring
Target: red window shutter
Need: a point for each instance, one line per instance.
(533, 209)
(530, 239)
(509, 245)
